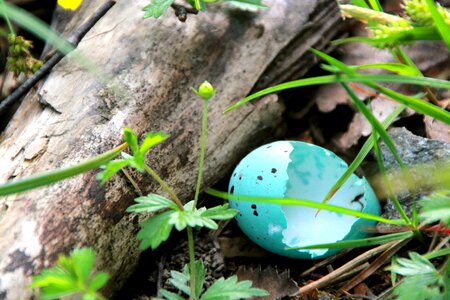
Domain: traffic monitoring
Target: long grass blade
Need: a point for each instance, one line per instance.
(364, 78)
(375, 4)
(442, 26)
(307, 203)
(362, 154)
(361, 242)
(58, 175)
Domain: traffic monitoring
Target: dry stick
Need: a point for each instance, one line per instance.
(345, 268)
(49, 64)
(380, 261)
(349, 274)
(324, 262)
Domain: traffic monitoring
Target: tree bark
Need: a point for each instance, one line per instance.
(152, 64)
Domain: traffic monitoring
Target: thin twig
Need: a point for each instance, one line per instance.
(49, 64)
(380, 261)
(325, 280)
(324, 262)
(133, 183)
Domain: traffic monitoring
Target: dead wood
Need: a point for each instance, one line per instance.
(151, 65)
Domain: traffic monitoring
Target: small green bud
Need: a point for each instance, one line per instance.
(205, 90)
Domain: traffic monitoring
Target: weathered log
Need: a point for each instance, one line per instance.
(153, 64)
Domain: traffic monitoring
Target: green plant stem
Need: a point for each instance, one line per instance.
(58, 175)
(202, 154)
(5, 15)
(192, 270)
(165, 187)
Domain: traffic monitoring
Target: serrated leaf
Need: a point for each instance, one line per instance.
(436, 207)
(151, 203)
(98, 281)
(131, 139)
(152, 139)
(416, 265)
(156, 8)
(83, 263)
(180, 280)
(170, 296)
(71, 275)
(182, 219)
(221, 212)
(155, 230)
(231, 288)
(110, 169)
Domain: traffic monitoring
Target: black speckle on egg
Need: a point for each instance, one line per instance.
(253, 206)
(285, 151)
(257, 238)
(240, 177)
(240, 215)
(260, 178)
(274, 170)
(255, 213)
(234, 175)
(232, 189)
(269, 147)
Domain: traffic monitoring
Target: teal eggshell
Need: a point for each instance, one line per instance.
(291, 169)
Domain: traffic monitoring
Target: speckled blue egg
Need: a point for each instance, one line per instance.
(290, 169)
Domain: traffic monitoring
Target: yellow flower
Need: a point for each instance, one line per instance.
(70, 4)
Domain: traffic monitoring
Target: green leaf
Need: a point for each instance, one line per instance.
(170, 296)
(155, 230)
(152, 139)
(361, 242)
(71, 275)
(221, 212)
(231, 288)
(200, 273)
(156, 8)
(422, 280)
(250, 5)
(398, 68)
(151, 203)
(436, 207)
(131, 139)
(180, 280)
(191, 218)
(98, 281)
(83, 262)
(306, 203)
(110, 169)
(442, 26)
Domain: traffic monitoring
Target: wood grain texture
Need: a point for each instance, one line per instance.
(151, 65)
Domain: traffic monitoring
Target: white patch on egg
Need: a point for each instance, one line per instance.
(273, 228)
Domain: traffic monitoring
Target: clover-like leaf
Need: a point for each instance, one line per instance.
(131, 139)
(152, 139)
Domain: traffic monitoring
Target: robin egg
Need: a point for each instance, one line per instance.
(297, 170)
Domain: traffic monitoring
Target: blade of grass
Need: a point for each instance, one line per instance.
(364, 78)
(360, 3)
(58, 175)
(375, 5)
(442, 26)
(362, 154)
(437, 253)
(376, 125)
(387, 184)
(413, 103)
(418, 105)
(307, 203)
(361, 242)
